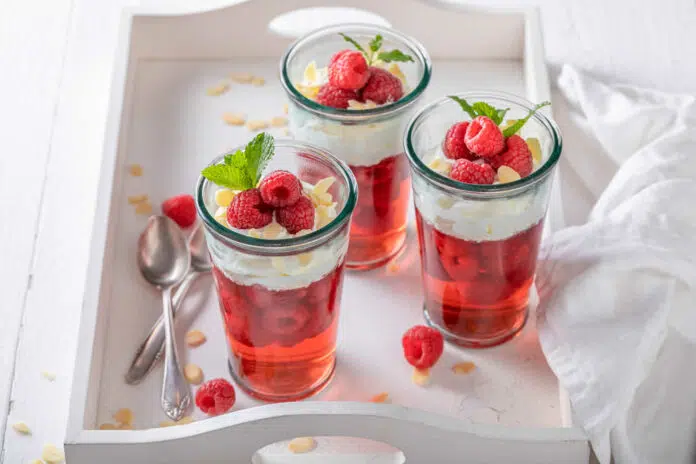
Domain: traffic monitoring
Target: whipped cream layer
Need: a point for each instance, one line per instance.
(477, 220)
(281, 272)
(355, 144)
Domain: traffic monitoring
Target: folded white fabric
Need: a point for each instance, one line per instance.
(617, 318)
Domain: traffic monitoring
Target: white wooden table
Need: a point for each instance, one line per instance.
(55, 69)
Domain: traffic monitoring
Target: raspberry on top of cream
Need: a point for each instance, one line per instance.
(485, 150)
(277, 206)
(359, 79)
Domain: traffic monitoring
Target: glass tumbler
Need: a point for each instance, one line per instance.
(280, 298)
(478, 243)
(368, 140)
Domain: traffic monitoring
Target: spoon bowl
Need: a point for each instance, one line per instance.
(163, 256)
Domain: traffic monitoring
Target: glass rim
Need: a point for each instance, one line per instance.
(357, 115)
(285, 245)
(484, 190)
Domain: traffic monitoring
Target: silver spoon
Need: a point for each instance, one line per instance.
(163, 258)
(151, 350)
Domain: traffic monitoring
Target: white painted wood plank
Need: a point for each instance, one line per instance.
(32, 43)
(54, 300)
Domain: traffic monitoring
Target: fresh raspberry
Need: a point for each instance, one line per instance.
(454, 146)
(329, 95)
(215, 397)
(248, 211)
(423, 346)
(348, 70)
(181, 209)
(337, 55)
(298, 216)
(484, 138)
(280, 188)
(382, 87)
(517, 156)
(472, 173)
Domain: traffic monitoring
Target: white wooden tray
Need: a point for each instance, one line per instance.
(509, 408)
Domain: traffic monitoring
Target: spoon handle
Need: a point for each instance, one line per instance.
(152, 348)
(176, 395)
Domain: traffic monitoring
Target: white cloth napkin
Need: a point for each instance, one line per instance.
(617, 318)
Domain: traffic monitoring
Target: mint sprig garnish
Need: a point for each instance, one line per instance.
(495, 114)
(512, 130)
(242, 169)
(375, 54)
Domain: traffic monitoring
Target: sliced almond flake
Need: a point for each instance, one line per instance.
(396, 70)
(136, 199)
(50, 376)
(309, 91)
(255, 233)
(535, 148)
(258, 81)
(310, 72)
(285, 108)
(144, 208)
(325, 199)
(279, 121)
(193, 374)
(358, 105)
(305, 258)
(507, 123)
(218, 89)
(302, 445)
(380, 398)
(272, 230)
(223, 197)
(421, 377)
(323, 185)
(440, 166)
(463, 367)
(135, 170)
(51, 454)
(195, 338)
(22, 428)
(241, 78)
(489, 229)
(221, 215)
(123, 416)
(507, 174)
(303, 232)
(108, 426)
(256, 125)
(234, 119)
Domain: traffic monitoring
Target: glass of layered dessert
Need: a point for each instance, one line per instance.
(277, 216)
(482, 171)
(351, 88)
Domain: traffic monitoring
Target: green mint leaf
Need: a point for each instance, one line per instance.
(355, 43)
(236, 160)
(258, 153)
(465, 106)
(376, 43)
(242, 169)
(512, 130)
(484, 109)
(394, 55)
(228, 176)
